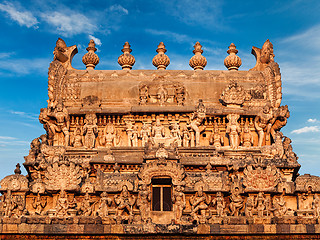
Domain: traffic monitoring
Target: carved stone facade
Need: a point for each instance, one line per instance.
(162, 151)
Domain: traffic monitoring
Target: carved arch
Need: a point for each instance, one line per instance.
(162, 168)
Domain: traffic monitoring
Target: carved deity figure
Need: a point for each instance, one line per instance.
(197, 119)
(125, 202)
(215, 138)
(144, 95)
(316, 205)
(199, 204)
(143, 202)
(262, 124)
(34, 150)
(278, 145)
(110, 135)
(60, 128)
(179, 95)
(175, 134)
(233, 129)
(236, 202)
(280, 206)
(62, 205)
(90, 130)
(39, 203)
(219, 201)
(288, 151)
(179, 203)
(185, 137)
(104, 203)
(158, 131)
(260, 204)
(249, 208)
(48, 124)
(101, 139)
(14, 205)
(246, 136)
(77, 138)
(304, 202)
(145, 134)
(129, 133)
(86, 206)
(134, 136)
(162, 95)
(279, 119)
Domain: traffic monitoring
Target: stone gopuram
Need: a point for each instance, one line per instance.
(184, 153)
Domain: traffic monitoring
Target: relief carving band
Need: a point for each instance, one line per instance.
(161, 152)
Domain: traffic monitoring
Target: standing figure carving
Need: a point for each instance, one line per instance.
(158, 132)
(143, 202)
(261, 123)
(175, 134)
(185, 137)
(110, 135)
(316, 205)
(145, 134)
(233, 129)
(219, 201)
(260, 204)
(199, 204)
(197, 119)
(104, 203)
(215, 138)
(62, 205)
(249, 207)
(179, 203)
(90, 130)
(134, 136)
(61, 126)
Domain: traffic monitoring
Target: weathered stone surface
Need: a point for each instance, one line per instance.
(161, 152)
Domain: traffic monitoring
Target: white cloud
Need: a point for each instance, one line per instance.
(69, 24)
(310, 120)
(203, 12)
(24, 18)
(119, 9)
(96, 40)
(25, 115)
(24, 66)
(308, 38)
(172, 35)
(306, 130)
(6, 138)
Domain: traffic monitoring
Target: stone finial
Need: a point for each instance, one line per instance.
(198, 62)
(232, 62)
(17, 170)
(126, 60)
(90, 59)
(161, 60)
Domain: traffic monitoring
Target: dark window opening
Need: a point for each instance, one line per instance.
(161, 194)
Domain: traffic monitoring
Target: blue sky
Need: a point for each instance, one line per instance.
(31, 28)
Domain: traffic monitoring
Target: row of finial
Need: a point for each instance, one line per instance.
(161, 60)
